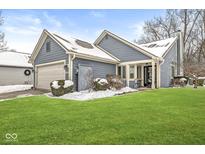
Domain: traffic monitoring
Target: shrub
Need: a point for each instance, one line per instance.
(200, 82)
(115, 81)
(100, 84)
(61, 87)
(179, 81)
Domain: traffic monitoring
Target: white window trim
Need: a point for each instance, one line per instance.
(133, 72)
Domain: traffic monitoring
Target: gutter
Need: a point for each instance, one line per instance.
(73, 57)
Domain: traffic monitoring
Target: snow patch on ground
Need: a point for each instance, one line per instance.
(89, 95)
(12, 88)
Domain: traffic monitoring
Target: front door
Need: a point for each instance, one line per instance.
(147, 76)
(85, 77)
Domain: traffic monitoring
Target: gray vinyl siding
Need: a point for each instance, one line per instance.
(14, 76)
(100, 69)
(121, 50)
(165, 68)
(56, 53)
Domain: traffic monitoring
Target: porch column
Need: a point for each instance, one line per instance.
(135, 71)
(158, 75)
(142, 75)
(71, 70)
(116, 69)
(69, 67)
(127, 75)
(153, 74)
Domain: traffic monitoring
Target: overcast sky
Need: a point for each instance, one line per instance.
(23, 27)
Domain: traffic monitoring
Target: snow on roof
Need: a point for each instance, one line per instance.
(158, 48)
(82, 47)
(13, 58)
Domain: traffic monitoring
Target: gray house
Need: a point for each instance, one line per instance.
(151, 65)
(15, 69)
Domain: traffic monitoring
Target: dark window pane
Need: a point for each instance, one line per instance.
(48, 47)
(123, 72)
(139, 72)
(119, 70)
(173, 74)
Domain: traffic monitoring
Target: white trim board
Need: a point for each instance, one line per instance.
(93, 58)
(136, 62)
(51, 63)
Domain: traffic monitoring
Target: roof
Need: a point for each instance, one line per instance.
(82, 47)
(13, 58)
(132, 45)
(159, 48)
(71, 45)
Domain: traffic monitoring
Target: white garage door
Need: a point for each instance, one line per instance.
(47, 74)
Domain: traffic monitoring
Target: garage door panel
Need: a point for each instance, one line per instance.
(49, 73)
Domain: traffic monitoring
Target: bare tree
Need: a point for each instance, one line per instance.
(190, 22)
(3, 43)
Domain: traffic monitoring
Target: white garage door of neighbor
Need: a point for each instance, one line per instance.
(47, 74)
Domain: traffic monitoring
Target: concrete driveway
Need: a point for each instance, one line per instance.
(18, 93)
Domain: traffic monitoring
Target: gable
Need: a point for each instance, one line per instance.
(170, 59)
(159, 48)
(56, 52)
(121, 50)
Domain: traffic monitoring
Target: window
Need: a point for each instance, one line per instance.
(48, 46)
(132, 70)
(139, 72)
(173, 72)
(123, 72)
(119, 71)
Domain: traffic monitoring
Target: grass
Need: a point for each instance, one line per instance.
(164, 116)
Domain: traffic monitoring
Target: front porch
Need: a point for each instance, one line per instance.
(144, 73)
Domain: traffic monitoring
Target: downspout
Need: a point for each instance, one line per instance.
(73, 57)
(34, 77)
(34, 74)
(71, 66)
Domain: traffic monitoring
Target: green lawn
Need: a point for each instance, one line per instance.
(165, 116)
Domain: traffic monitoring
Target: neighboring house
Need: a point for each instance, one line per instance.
(14, 68)
(148, 65)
